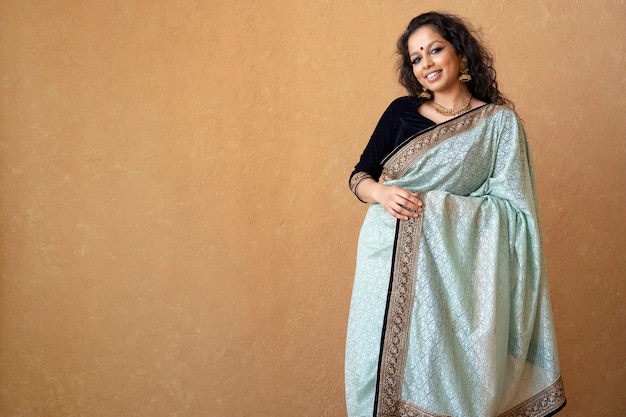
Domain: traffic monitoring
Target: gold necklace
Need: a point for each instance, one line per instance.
(453, 112)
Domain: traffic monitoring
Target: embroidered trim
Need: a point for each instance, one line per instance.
(396, 329)
(399, 163)
(546, 402)
(355, 180)
(407, 409)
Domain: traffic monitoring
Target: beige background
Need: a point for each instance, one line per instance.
(177, 236)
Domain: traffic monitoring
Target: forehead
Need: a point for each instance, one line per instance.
(423, 37)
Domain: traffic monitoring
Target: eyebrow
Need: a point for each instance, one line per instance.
(411, 55)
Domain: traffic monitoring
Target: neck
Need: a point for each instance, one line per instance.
(452, 100)
(453, 111)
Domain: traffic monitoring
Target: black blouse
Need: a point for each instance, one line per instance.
(399, 122)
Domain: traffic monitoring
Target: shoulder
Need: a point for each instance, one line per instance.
(405, 102)
(508, 125)
(402, 107)
(503, 112)
(399, 108)
(501, 115)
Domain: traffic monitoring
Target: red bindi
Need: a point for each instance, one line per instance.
(421, 48)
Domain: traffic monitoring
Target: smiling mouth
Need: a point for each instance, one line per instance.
(432, 75)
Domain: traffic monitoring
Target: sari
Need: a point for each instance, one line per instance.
(450, 312)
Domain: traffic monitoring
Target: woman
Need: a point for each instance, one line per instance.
(450, 312)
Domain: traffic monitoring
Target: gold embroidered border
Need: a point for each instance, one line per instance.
(407, 409)
(396, 166)
(547, 401)
(395, 337)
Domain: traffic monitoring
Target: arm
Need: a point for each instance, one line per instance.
(398, 122)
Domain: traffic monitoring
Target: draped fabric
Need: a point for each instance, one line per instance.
(450, 312)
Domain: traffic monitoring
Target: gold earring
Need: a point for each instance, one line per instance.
(425, 94)
(464, 76)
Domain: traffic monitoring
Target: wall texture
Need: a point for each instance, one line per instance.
(177, 237)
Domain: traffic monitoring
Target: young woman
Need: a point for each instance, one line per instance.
(450, 312)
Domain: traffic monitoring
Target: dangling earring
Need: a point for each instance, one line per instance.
(425, 94)
(464, 76)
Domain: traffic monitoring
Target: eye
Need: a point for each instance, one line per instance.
(436, 50)
(416, 60)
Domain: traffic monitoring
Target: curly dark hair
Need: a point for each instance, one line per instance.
(466, 43)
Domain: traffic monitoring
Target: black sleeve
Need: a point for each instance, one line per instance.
(380, 144)
(399, 121)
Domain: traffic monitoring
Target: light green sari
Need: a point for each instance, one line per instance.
(450, 312)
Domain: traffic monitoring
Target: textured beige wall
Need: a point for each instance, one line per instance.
(177, 237)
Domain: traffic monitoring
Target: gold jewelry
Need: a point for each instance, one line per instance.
(464, 76)
(425, 94)
(453, 112)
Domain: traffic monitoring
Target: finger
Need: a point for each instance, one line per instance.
(398, 212)
(413, 202)
(411, 205)
(396, 215)
(406, 213)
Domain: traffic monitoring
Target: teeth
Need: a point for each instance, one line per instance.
(432, 74)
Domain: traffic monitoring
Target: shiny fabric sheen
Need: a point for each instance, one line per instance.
(480, 336)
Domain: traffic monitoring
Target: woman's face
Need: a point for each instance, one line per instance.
(435, 61)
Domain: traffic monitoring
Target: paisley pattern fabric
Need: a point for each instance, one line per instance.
(450, 312)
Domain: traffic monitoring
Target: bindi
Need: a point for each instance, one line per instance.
(421, 48)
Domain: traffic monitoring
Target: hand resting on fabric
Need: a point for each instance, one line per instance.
(399, 202)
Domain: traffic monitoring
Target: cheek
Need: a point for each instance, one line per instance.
(417, 74)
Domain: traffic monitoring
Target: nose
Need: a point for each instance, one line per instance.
(426, 61)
